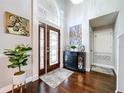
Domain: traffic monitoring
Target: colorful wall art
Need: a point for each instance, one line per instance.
(76, 35)
(16, 24)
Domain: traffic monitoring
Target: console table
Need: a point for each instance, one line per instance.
(74, 60)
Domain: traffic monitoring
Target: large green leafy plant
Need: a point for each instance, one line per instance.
(18, 56)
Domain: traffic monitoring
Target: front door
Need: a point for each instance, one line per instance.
(53, 48)
(49, 48)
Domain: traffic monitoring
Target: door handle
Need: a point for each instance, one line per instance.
(91, 50)
(48, 49)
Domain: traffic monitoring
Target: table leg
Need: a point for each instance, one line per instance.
(20, 88)
(12, 88)
(25, 84)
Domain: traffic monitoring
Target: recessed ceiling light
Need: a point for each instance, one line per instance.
(76, 1)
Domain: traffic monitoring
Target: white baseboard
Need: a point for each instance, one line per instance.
(29, 79)
(106, 66)
(35, 77)
(88, 69)
(102, 65)
(115, 71)
(116, 91)
(9, 87)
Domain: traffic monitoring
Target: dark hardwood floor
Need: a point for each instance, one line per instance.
(92, 82)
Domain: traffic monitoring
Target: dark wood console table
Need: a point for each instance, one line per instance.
(74, 60)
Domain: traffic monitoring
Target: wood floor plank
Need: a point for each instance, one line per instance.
(92, 82)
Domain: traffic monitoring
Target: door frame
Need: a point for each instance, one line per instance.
(47, 67)
(41, 72)
(50, 68)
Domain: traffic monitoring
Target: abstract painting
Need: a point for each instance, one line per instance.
(76, 35)
(16, 24)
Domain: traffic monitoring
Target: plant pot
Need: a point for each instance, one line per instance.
(19, 78)
(72, 49)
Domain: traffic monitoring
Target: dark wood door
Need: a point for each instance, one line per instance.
(53, 48)
(42, 48)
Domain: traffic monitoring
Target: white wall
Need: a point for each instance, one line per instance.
(24, 9)
(103, 40)
(89, 9)
(120, 51)
(82, 13)
(121, 64)
(35, 39)
(103, 46)
(21, 8)
(58, 16)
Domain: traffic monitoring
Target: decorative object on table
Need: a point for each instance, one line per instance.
(75, 35)
(80, 63)
(73, 47)
(76, 1)
(81, 48)
(18, 57)
(16, 24)
(68, 48)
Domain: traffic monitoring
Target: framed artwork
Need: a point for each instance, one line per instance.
(16, 25)
(75, 35)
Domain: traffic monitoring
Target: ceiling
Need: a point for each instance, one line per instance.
(104, 20)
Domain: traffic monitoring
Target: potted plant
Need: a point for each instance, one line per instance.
(18, 57)
(73, 47)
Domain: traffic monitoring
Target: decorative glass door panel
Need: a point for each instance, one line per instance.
(53, 48)
(42, 28)
(41, 48)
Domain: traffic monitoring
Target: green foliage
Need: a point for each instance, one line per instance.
(18, 56)
(73, 46)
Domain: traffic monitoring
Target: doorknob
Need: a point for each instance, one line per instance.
(91, 50)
